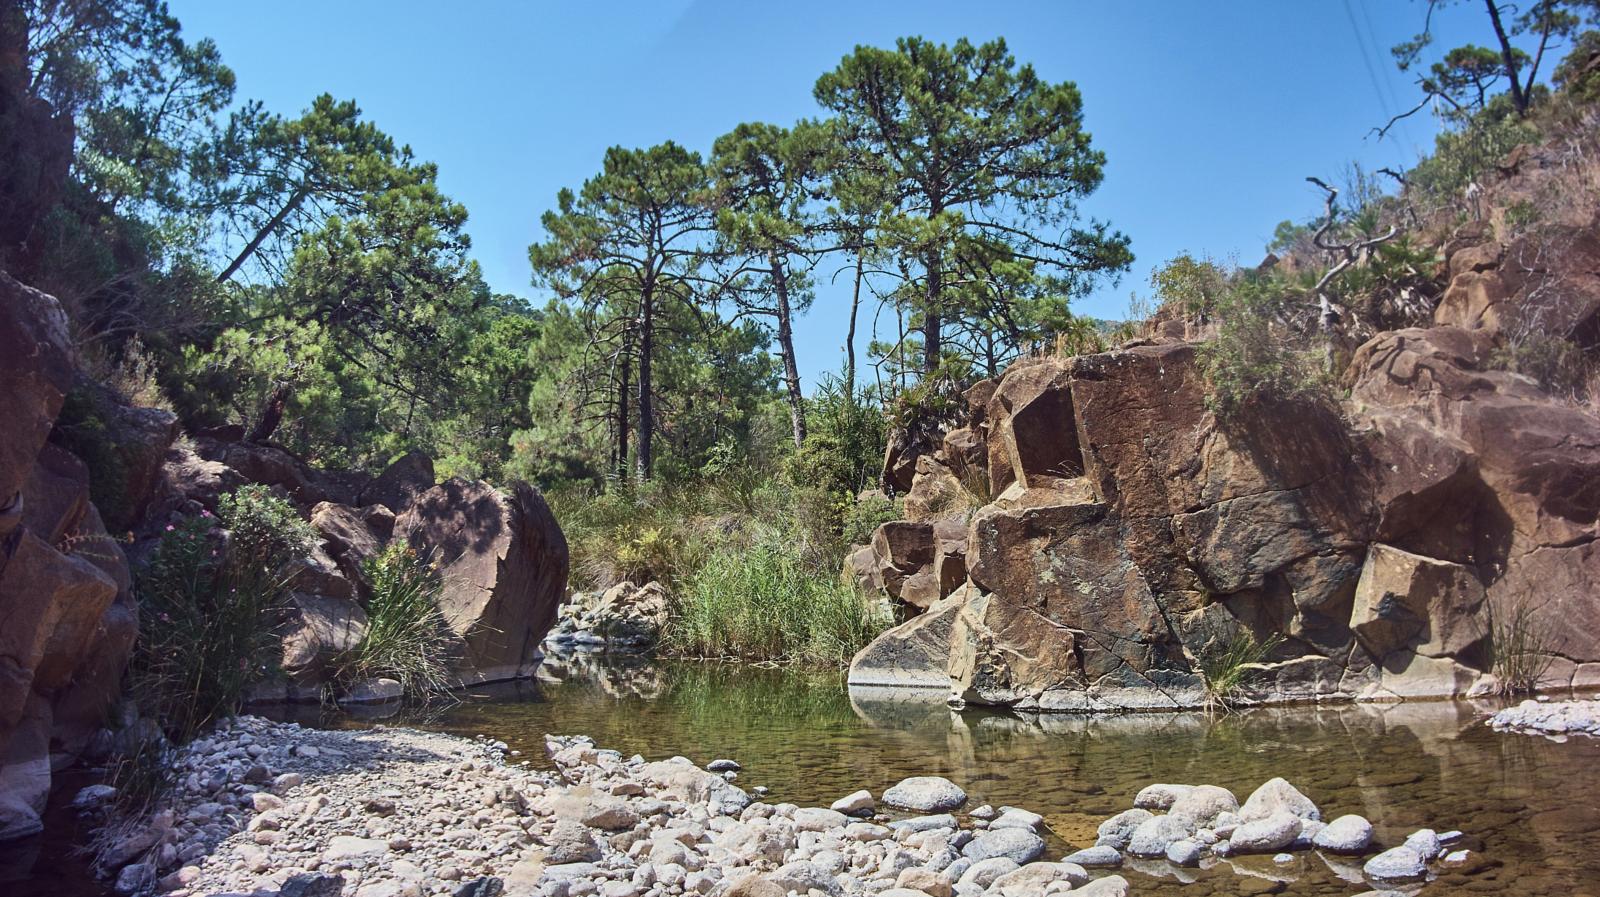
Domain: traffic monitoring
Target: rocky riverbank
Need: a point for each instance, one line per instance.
(1556, 719)
(277, 809)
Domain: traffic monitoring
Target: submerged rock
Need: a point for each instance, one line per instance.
(1347, 834)
(1397, 864)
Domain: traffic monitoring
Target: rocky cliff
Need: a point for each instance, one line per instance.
(1094, 535)
(67, 619)
(68, 609)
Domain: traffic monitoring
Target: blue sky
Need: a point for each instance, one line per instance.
(1211, 114)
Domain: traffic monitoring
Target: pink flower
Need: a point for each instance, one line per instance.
(170, 527)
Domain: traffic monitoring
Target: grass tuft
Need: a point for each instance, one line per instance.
(1522, 644)
(1224, 670)
(407, 639)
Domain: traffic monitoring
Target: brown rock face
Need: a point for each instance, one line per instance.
(346, 537)
(319, 629)
(1545, 283)
(1032, 439)
(1373, 549)
(504, 562)
(64, 584)
(36, 368)
(1409, 602)
(915, 654)
(1515, 475)
(401, 482)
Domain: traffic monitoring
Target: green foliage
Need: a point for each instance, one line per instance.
(406, 638)
(762, 602)
(83, 430)
(1464, 155)
(1556, 362)
(1252, 357)
(1193, 287)
(863, 517)
(844, 443)
(629, 533)
(1520, 215)
(1578, 75)
(979, 238)
(207, 602)
(1225, 669)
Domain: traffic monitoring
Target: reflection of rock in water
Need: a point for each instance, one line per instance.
(617, 676)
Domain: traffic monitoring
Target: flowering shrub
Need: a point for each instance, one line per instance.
(208, 602)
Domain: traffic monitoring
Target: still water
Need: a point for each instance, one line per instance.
(1530, 807)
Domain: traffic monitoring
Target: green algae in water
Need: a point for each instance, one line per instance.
(1528, 806)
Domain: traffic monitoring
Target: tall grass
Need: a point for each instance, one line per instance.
(406, 639)
(762, 602)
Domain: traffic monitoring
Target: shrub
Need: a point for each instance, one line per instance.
(1253, 356)
(630, 532)
(1578, 75)
(1463, 155)
(83, 430)
(207, 604)
(1192, 287)
(407, 638)
(845, 439)
(863, 517)
(761, 602)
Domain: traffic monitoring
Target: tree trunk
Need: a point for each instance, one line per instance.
(625, 380)
(647, 328)
(271, 415)
(1519, 96)
(932, 330)
(850, 335)
(265, 232)
(791, 369)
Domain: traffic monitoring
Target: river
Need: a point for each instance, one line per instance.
(1529, 807)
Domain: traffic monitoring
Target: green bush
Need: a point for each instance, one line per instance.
(407, 638)
(1522, 645)
(762, 602)
(631, 532)
(845, 439)
(1576, 76)
(84, 431)
(208, 604)
(862, 518)
(1194, 287)
(1253, 357)
(1463, 155)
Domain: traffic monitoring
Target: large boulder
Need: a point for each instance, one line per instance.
(1409, 602)
(915, 654)
(317, 631)
(1032, 433)
(504, 563)
(347, 537)
(401, 482)
(36, 367)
